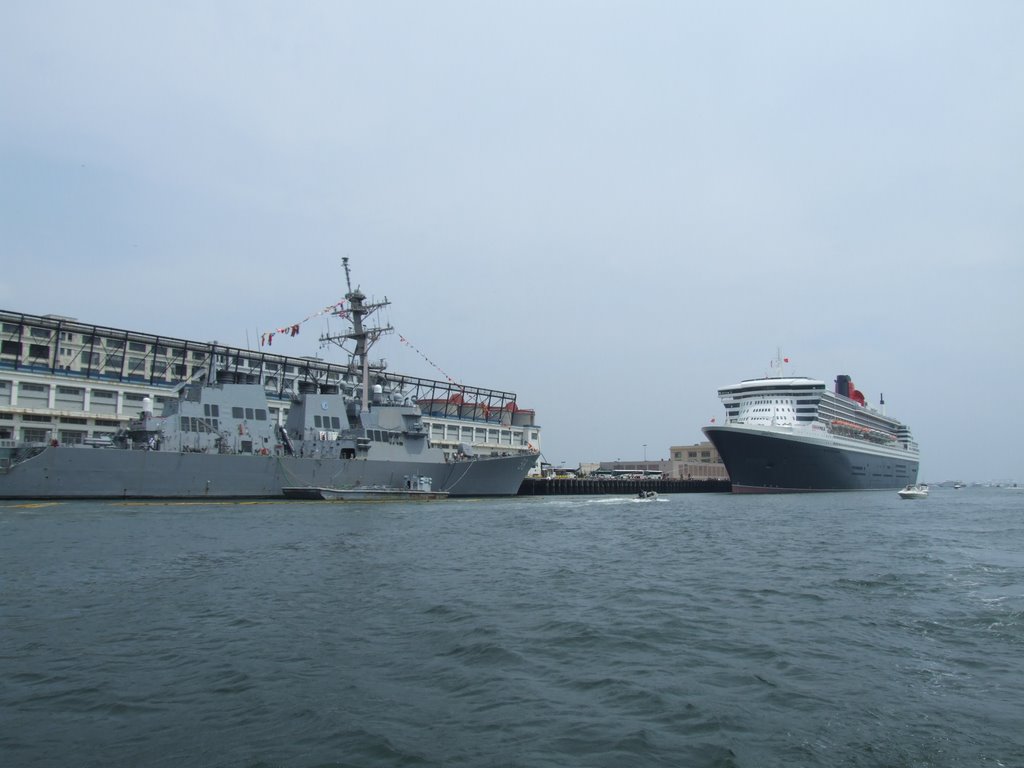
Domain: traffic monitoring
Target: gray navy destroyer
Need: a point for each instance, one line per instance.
(218, 440)
(791, 434)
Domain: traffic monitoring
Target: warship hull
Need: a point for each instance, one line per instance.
(98, 473)
(767, 461)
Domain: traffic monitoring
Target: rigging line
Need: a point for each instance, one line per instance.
(292, 329)
(342, 469)
(284, 471)
(450, 486)
(416, 349)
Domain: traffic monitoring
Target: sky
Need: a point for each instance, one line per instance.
(611, 209)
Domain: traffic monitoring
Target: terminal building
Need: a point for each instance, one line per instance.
(699, 461)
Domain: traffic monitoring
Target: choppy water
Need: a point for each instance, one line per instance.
(698, 630)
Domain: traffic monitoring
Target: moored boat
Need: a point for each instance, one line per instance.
(790, 434)
(218, 439)
(309, 493)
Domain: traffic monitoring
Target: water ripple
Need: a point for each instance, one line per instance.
(700, 631)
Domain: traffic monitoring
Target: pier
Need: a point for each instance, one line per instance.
(569, 486)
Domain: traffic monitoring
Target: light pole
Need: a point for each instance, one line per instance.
(645, 454)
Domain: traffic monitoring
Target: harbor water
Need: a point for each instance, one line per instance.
(851, 629)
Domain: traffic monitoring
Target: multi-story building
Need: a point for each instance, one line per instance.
(699, 461)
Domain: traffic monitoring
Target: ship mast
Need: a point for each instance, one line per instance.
(364, 337)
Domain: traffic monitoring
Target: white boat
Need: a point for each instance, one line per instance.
(918, 491)
(647, 496)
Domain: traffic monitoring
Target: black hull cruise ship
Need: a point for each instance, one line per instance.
(787, 435)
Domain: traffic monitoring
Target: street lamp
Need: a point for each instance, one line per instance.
(645, 453)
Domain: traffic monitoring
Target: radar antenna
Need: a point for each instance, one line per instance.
(363, 337)
(348, 277)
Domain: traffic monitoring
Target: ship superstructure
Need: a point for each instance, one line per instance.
(784, 434)
(64, 380)
(78, 402)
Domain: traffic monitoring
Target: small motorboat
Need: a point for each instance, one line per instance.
(647, 495)
(919, 491)
(416, 487)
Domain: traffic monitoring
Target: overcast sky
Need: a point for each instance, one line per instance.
(609, 208)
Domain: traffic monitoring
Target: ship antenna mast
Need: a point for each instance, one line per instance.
(364, 337)
(348, 276)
